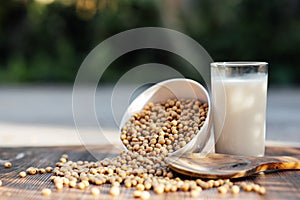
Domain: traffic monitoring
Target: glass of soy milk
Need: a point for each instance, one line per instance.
(239, 96)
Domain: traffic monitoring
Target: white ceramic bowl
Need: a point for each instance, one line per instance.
(179, 88)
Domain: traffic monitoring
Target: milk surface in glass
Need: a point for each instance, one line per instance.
(240, 113)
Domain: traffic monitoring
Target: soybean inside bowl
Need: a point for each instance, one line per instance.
(178, 88)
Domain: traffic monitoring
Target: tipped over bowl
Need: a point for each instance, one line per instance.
(179, 88)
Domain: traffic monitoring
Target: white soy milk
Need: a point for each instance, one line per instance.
(241, 104)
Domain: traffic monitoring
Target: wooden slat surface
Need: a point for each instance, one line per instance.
(279, 185)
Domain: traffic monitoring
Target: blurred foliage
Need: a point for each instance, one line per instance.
(46, 40)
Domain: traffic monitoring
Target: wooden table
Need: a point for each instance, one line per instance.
(279, 185)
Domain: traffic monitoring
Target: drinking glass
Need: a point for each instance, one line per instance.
(239, 96)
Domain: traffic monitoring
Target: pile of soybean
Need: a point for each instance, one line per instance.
(150, 136)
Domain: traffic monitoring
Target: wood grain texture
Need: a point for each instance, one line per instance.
(279, 185)
(224, 166)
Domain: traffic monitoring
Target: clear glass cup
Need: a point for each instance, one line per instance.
(239, 98)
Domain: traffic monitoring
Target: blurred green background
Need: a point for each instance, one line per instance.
(45, 41)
